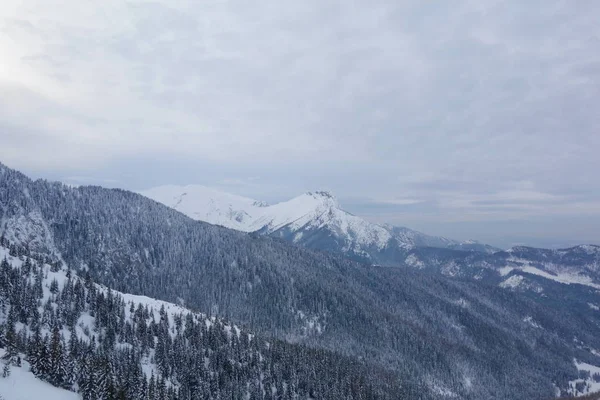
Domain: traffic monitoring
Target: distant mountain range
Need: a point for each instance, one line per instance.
(313, 219)
(316, 220)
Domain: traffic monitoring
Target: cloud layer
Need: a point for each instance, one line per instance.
(466, 112)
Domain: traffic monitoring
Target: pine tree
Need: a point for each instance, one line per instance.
(105, 379)
(38, 284)
(87, 377)
(42, 357)
(58, 368)
(161, 390)
(10, 339)
(142, 393)
(33, 350)
(152, 388)
(73, 343)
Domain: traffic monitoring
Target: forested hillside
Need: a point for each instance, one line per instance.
(79, 336)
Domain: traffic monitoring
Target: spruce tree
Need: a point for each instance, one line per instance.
(58, 367)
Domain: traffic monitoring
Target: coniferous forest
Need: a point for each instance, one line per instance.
(80, 336)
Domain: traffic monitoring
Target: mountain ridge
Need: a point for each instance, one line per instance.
(314, 219)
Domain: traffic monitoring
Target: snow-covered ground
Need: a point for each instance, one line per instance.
(564, 277)
(512, 282)
(23, 385)
(210, 205)
(590, 385)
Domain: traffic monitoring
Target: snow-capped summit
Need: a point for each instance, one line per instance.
(313, 219)
(294, 218)
(324, 194)
(310, 206)
(210, 205)
(317, 216)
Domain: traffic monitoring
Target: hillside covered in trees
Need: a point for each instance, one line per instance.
(79, 336)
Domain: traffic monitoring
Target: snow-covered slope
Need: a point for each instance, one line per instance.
(312, 209)
(209, 205)
(575, 265)
(589, 381)
(567, 278)
(21, 384)
(293, 219)
(320, 211)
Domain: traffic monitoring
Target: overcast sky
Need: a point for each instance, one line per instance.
(470, 119)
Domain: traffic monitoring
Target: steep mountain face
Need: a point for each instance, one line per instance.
(314, 220)
(443, 338)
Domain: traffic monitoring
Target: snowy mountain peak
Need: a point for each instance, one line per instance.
(314, 219)
(310, 209)
(322, 194)
(320, 198)
(208, 204)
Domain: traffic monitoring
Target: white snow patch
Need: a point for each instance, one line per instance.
(442, 391)
(581, 387)
(23, 385)
(207, 204)
(451, 269)
(531, 322)
(313, 325)
(298, 236)
(505, 271)
(561, 277)
(512, 282)
(414, 261)
(461, 303)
